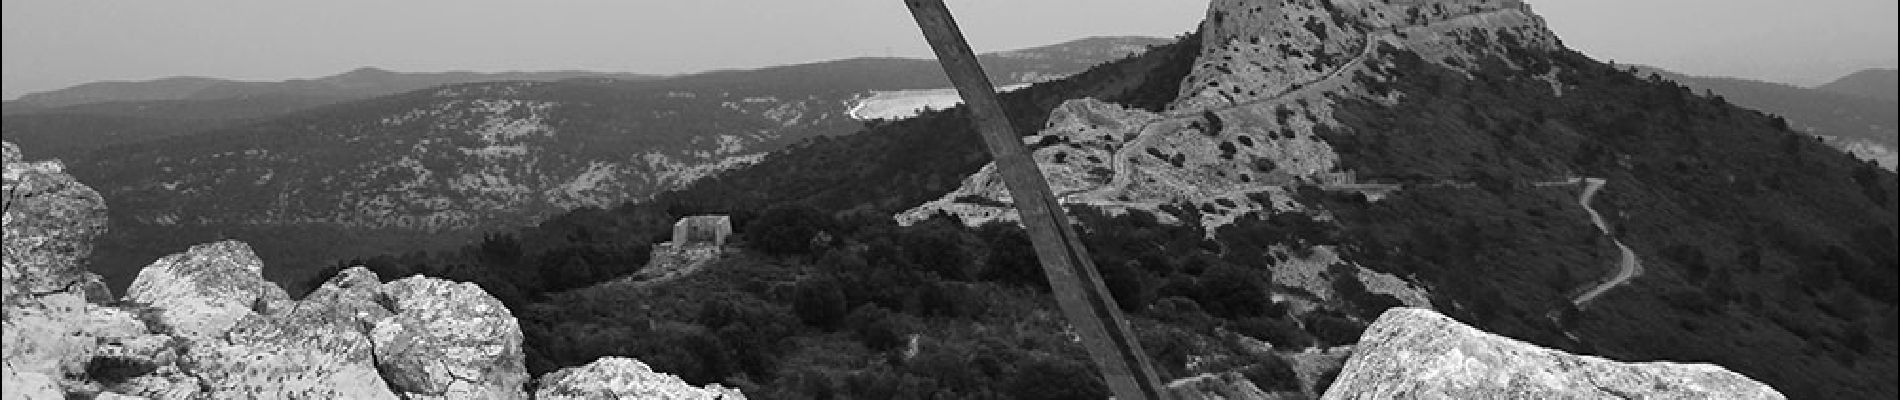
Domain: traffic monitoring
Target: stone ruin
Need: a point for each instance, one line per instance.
(702, 229)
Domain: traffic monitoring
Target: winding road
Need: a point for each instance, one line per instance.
(1627, 268)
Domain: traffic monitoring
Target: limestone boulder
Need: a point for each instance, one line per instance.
(57, 335)
(1414, 353)
(448, 340)
(205, 290)
(624, 378)
(25, 385)
(319, 348)
(50, 222)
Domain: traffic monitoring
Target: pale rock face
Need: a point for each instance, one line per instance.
(320, 348)
(624, 378)
(55, 335)
(448, 340)
(206, 290)
(1417, 353)
(23, 385)
(50, 221)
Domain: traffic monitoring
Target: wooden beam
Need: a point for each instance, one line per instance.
(1078, 287)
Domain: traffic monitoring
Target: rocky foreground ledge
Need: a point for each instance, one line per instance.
(1412, 353)
(204, 324)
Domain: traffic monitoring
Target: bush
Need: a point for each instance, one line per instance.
(787, 229)
(1333, 330)
(1283, 334)
(877, 327)
(1045, 378)
(1272, 373)
(1233, 291)
(819, 302)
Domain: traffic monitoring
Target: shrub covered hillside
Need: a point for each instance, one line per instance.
(1762, 250)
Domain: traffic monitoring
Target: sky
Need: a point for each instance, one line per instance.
(50, 44)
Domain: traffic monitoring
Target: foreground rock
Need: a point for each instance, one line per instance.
(624, 378)
(205, 290)
(1417, 353)
(448, 340)
(51, 220)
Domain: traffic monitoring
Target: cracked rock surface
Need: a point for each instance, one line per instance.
(205, 290)
(625, 378)
(448, 340)
(1417, 353)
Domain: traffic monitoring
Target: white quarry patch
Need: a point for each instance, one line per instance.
(900, 104)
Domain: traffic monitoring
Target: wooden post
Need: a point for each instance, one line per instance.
(1078, 287)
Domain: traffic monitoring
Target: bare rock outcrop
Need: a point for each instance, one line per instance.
(206, 290)
(50, 221)
(624, 378)
(319, 348)
(1417, 353)
(448, 340)
(50, 330)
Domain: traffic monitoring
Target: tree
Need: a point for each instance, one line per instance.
(819, 302)
(787, 229)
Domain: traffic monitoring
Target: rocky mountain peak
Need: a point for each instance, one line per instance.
(1255, 50)
(1244, 124)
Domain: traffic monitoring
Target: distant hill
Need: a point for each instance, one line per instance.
(1876, 83)
(452, 160)
(359, 83)
(1862, 125)
(69, 123)
(158, 89)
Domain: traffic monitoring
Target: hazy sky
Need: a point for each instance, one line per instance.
(56, 43)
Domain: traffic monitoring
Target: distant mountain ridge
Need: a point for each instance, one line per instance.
(1879, 83)
(69, 123)
(471, 157)
(359, 83)
(1864, 126)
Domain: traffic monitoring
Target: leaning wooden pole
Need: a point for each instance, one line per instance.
(1078, 288)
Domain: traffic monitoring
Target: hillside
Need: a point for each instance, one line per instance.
(445, 164)
(1865, 126)
(355, 84)
(1875, 83)
(1286, 174)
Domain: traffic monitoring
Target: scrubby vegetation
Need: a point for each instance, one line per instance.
(1764, 251)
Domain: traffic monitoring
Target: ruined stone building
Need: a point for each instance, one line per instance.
(702, 229)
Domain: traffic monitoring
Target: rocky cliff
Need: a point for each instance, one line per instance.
(1417, 353)
(203, 323)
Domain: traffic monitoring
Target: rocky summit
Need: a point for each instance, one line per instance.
(1418, 353)
(204, 324)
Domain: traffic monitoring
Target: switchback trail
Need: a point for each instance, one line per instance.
(1628, 266)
